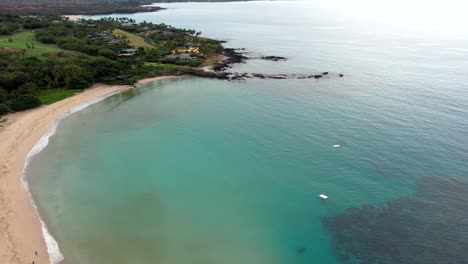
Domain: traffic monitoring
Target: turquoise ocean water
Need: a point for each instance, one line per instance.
(200, 171)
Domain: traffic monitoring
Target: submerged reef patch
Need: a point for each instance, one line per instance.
(429, 227)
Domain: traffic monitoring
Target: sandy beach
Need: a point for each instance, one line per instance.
(74, 17)
(20, 227)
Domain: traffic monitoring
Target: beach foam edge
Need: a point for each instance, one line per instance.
(53, 249)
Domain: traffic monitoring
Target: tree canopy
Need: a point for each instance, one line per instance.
(39, 53)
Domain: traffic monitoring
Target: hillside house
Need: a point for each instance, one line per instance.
(190, 50)
(128, 52)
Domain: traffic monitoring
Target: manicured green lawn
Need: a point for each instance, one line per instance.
(50, 96)
(20, 40)
(161, 65)
(165, 65)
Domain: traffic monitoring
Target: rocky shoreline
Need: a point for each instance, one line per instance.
(222, 75)
(232, 56)
(282, 76)
(235, 56)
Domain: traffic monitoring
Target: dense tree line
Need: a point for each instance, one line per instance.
(22, 78)
(67, 7)
(24, 72)
(10, 24)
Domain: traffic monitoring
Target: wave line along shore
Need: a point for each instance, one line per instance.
(22, 232)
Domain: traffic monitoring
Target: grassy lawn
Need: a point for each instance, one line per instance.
(135, 40)
(166, 65)
(50, 96)
(20, 40)
(161, 65)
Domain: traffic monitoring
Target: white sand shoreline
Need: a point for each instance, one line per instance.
(23, 135)
(74, 17)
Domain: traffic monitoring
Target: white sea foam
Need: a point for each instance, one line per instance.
(53, 249)
(55, 255)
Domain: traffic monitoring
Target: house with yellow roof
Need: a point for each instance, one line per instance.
(190, 50)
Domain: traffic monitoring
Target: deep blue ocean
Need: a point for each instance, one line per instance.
(200, 171)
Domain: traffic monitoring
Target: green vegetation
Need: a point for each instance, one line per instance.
(26, 40)
(81, 7)
(50, 96)
(3, 110)
(26, 44)
(46, 59)
(24, 101)
(133, 39)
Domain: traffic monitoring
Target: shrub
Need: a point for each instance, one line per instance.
(24, 102)
(27, 88)
(3, 95)
(3, 109)
(77, 77)
(106, 52)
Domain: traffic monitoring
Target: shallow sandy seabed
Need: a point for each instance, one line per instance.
(20, 225)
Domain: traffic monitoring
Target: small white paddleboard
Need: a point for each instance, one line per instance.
(323, 196)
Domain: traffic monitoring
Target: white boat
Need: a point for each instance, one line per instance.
(336, 146)
(323, 196)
